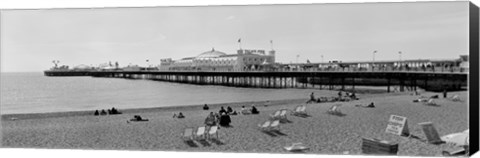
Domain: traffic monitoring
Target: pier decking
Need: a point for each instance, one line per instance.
(431, 81)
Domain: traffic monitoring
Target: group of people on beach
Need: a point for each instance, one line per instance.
(112, 111)
(180, 115)
(222, 117)
(347, 97)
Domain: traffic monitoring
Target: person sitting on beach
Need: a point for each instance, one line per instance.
(371, 105)
(103, 112)
(96, 113)
(205, 107)
(229, 110)
(222, 110)
(354, 96)
(244, 110)
(113, 111)
(434, 96)
(312, 97)
(224, 120)
(180, 115)
(339, 94)
(137, 118)
(211, 120)
(254, 110)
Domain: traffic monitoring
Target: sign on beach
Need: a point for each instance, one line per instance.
(430, 132)
(397, 125)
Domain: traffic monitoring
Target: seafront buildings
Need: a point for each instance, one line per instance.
(214, 60)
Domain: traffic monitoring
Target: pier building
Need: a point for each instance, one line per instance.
(214, 60)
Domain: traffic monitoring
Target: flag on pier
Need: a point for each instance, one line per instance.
(239, 40)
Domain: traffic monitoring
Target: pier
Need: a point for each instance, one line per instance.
(402, 81)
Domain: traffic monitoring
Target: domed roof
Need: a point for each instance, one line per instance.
(211, 54)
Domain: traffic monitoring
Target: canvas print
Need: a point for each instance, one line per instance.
(356, 79)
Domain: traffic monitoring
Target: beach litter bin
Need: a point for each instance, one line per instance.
(373, 146)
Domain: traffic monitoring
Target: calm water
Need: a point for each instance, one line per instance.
(34, 93)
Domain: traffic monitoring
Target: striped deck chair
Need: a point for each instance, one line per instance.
(283, 115)
(334, 110)
(275, 115)
(265, 126)
(213, 131)
(200, 133)
(187, 134)
(275, 125)
(297, 110)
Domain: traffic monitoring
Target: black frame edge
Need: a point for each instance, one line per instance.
(473, 78)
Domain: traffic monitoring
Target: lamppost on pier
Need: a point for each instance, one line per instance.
(373, 62)
(148, 65)
(322, 58)
(400, 55)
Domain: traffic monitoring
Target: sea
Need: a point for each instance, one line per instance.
(36, 93)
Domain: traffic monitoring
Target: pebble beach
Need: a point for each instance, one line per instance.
(321, 132)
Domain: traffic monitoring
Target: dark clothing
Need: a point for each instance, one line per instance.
(96, 113)
(229, 110)
(371, 105)
(205, 107)
(180, 115)
(138, 118)
(225, 120)
(103, 112)
(222, 110)
(444, 93)
(254, 110)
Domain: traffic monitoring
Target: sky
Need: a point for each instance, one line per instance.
(31, 39)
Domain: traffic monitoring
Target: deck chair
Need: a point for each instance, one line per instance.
(283, 115)
(456, 98)
(275, 115)
(275, 125)
(265, 125)
(302, 110)
(431, 102)
(187, 134)
(213, 131)
(200, 133)
(334, 110)
(296, 111)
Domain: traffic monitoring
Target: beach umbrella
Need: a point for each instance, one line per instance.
(459, 139)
